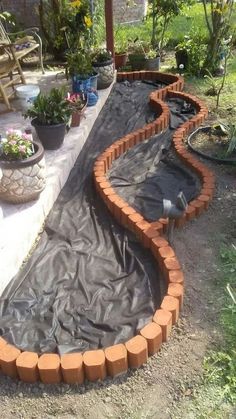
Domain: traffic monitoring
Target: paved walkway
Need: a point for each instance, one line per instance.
(21, 224)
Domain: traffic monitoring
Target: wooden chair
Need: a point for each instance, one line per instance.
(10, 55)
(28, 42)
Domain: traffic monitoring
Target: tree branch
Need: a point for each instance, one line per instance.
(206, 17)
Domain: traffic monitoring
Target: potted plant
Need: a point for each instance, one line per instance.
(23, 167)
(50, 114)
(79, 66)
(137, 55)
(102, 63)
(77, 102)
(121, 55)
(152, 61)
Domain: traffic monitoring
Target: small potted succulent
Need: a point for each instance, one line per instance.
(152, 60)
(121, 55)
(102, 63)
(79, 66)
(137, 55)
(50, 115)
(77, 102)
(23, 167)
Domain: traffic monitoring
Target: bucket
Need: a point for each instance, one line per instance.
(27, 94)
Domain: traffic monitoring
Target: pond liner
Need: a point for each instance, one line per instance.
(89, 283)
(205, 155)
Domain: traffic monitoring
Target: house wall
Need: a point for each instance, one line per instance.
(25, 10)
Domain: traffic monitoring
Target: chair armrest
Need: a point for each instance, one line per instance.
(33, 29)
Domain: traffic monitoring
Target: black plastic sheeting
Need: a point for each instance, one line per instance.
(89, 283)
(147, 174)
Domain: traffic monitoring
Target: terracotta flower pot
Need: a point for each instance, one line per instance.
(23, 180)
(120, 60)
(77, 117)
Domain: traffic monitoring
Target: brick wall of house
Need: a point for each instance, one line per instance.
(122, 13)
(24, 10)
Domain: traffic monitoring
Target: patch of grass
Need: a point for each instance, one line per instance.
(220, 366)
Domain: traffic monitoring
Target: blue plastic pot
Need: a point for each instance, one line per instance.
(80, 84)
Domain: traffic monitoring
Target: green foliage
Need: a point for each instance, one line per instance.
(79, 63)
(101, 55)
(230, 130)
(220, 366)
(213, 84)
(65, 25)
(194, 45)
(50, 109)
(98, 28)
(16, 146)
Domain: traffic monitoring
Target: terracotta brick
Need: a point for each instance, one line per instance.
(177, 291)
(140, 227)
(132, 220)
(8, 357)
(190, 212)
(27, 367)
(105, 185)
(171, 304)
(137, 349)
(164, 222)
(72, 368)
(208, 192)
(124, 214)
(3, 342)
(198, 205)
(205, 199)
(49, 368)
(165, 252)
(153, 334)
(176, 276)
(171, 264)
(157, 226)
(94, 363)
(118, 205)
(116, 359)
(164, 319)
(148, 235)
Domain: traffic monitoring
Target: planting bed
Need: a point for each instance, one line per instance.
(90, 301)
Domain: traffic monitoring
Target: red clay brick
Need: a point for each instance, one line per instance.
(153, 334)
(140, 227)
(208, 192)
(176, 276)
(72, 368)
(27, 367)
(116, 360)
(164, 319)
(157, 226)
(49, 368)
(137, 349)
(164, 222)
(3, 342)
(177, 291)
(171, 304)
(190, 212)
(165, 252)
(198, 205)
(94, 363)
(124, 214)
(8, 357)
(171, 264)
(148, 235)
(133, 219)
(205, 199)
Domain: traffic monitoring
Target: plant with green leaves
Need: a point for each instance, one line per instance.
(195, 46)
(51, 108)
(79, 63)
(229, 129)
(65, 25)
(219, 25)
(162, 13)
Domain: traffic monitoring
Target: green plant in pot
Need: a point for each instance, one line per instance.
(137, 54)
(22, 166)
(102, 63)
(121, 55)
(77, 103)
(152, 60)
(79, 66)
(50, 114)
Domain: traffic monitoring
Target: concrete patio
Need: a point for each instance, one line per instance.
(21, 224)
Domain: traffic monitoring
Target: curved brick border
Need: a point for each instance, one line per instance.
(115, 360)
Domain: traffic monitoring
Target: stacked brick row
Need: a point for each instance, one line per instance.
(115, 360)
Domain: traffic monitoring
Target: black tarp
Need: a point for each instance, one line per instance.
(89, 283)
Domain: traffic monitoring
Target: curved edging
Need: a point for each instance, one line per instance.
(115, 360)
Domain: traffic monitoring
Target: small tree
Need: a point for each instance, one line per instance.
(218, 21)
(161, 13)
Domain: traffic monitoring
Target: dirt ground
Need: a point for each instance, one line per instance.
(168, 386)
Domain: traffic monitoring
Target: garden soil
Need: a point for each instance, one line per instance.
(167, 384)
